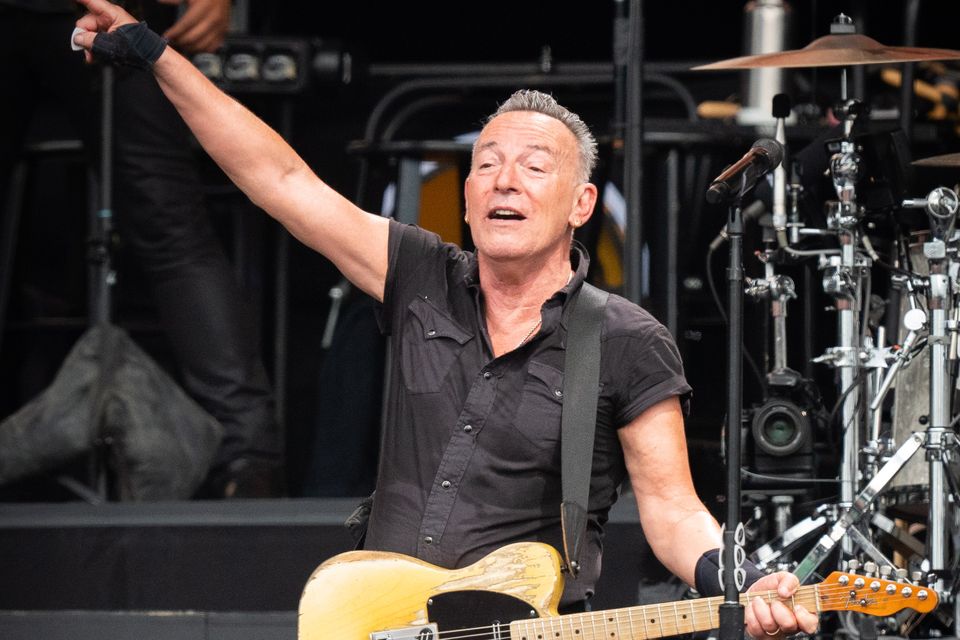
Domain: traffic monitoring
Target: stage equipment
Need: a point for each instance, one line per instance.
(839, 49)
(248, 64)
(766, 27)
(869, 173)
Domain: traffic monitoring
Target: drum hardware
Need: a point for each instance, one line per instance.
(869, 367)
(843, 47)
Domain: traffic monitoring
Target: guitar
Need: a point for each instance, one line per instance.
(512, 594)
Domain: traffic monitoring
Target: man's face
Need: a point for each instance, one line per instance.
(523, 193)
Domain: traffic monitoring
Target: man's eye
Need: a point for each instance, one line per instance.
(536, 169)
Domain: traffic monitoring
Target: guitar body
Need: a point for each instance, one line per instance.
(358, 593)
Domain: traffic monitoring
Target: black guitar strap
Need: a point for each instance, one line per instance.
(581, 384)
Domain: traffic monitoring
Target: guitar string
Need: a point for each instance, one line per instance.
(706, 607)
(703, 607)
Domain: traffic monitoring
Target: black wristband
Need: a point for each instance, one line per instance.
(133, 45)
(707, 574)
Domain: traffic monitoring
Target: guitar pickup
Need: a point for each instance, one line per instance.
(419, 632)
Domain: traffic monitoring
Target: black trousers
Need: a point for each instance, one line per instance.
(160, 215)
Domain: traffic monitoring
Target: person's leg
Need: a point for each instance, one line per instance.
(161, 215)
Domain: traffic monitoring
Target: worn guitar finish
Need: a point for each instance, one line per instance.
(513, 594)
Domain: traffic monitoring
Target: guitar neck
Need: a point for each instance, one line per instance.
(647, 621)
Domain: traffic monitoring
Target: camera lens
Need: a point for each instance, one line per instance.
(780, 428)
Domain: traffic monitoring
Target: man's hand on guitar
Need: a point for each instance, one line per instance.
(776, 619)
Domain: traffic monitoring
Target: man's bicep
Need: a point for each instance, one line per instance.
(354, 240)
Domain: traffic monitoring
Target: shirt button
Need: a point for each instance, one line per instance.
(428, 540)
(558, 393)
(445, 484)
(487, 375)
(432, 332)
(467, 428)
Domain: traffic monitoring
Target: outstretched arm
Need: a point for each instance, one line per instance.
(261, 163)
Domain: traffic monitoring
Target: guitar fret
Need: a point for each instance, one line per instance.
(693, 615)
(633, 634)
(676, 617)
(660, 621)
(646, 632)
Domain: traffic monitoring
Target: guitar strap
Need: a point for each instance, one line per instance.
(581, 384)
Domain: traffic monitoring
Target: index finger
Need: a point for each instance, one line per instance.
(99, 7)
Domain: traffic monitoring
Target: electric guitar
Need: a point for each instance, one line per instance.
(512, 594)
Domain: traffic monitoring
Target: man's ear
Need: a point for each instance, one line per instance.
(583, 205)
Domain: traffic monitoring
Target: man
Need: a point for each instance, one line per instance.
(470, 456)
(161, 218)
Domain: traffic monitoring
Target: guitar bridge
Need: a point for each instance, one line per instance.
(419, 632)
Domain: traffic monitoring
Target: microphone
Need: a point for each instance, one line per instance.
(763, 157)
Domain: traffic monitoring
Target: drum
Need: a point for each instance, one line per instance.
(909, 489)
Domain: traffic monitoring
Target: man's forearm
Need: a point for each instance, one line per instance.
(254, 156)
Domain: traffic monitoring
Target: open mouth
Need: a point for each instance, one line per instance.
(505, 214)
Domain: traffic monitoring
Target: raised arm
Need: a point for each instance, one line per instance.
(261, 163)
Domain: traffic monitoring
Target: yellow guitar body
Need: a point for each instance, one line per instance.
(354, 594)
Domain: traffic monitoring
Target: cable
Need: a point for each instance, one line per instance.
(857, 381)
(761, 476)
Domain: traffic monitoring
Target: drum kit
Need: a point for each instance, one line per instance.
(898, 404)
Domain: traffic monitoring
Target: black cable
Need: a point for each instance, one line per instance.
(761, 476)
(857, 381)
(761, 380)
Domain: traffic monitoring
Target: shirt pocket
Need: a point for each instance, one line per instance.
(538, 417)
(432, 342)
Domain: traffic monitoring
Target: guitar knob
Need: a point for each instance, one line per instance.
(885, 571)
(870, 568)
(853, 564)
(916, 576)
(901, 574)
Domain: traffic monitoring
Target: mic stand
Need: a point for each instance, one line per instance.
(731, 611)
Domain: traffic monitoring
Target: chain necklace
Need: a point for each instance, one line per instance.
(539, 322)
(530, 333)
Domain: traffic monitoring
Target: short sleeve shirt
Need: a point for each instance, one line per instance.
(470, 458)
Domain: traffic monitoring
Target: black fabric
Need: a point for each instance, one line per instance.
(41, 6)
(160, 216)
(108, 391)
(707, 576)
(470, 457)
(132, 45)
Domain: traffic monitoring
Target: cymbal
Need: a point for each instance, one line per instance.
(837, 50)
(946, 160)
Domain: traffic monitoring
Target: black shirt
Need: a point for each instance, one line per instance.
(471, 455)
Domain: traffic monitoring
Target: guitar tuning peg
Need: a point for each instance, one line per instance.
(885, 571)
(852, 565)
(931, 580)
(901, 574)
(870, 569)
(916, 577)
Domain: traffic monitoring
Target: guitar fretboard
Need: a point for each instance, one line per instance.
(647, 621)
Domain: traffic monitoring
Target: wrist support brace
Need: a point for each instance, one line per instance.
(133, 45)
(707, 574)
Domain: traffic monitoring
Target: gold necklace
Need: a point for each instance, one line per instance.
(529, 333)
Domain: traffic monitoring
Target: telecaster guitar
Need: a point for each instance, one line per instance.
(512, 594)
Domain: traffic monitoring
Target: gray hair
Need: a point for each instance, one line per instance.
(532, 100)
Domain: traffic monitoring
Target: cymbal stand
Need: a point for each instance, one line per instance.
(842, 275)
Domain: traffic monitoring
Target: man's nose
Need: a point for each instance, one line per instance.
(507, 178)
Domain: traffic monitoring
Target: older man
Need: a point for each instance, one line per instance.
(471, 455)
